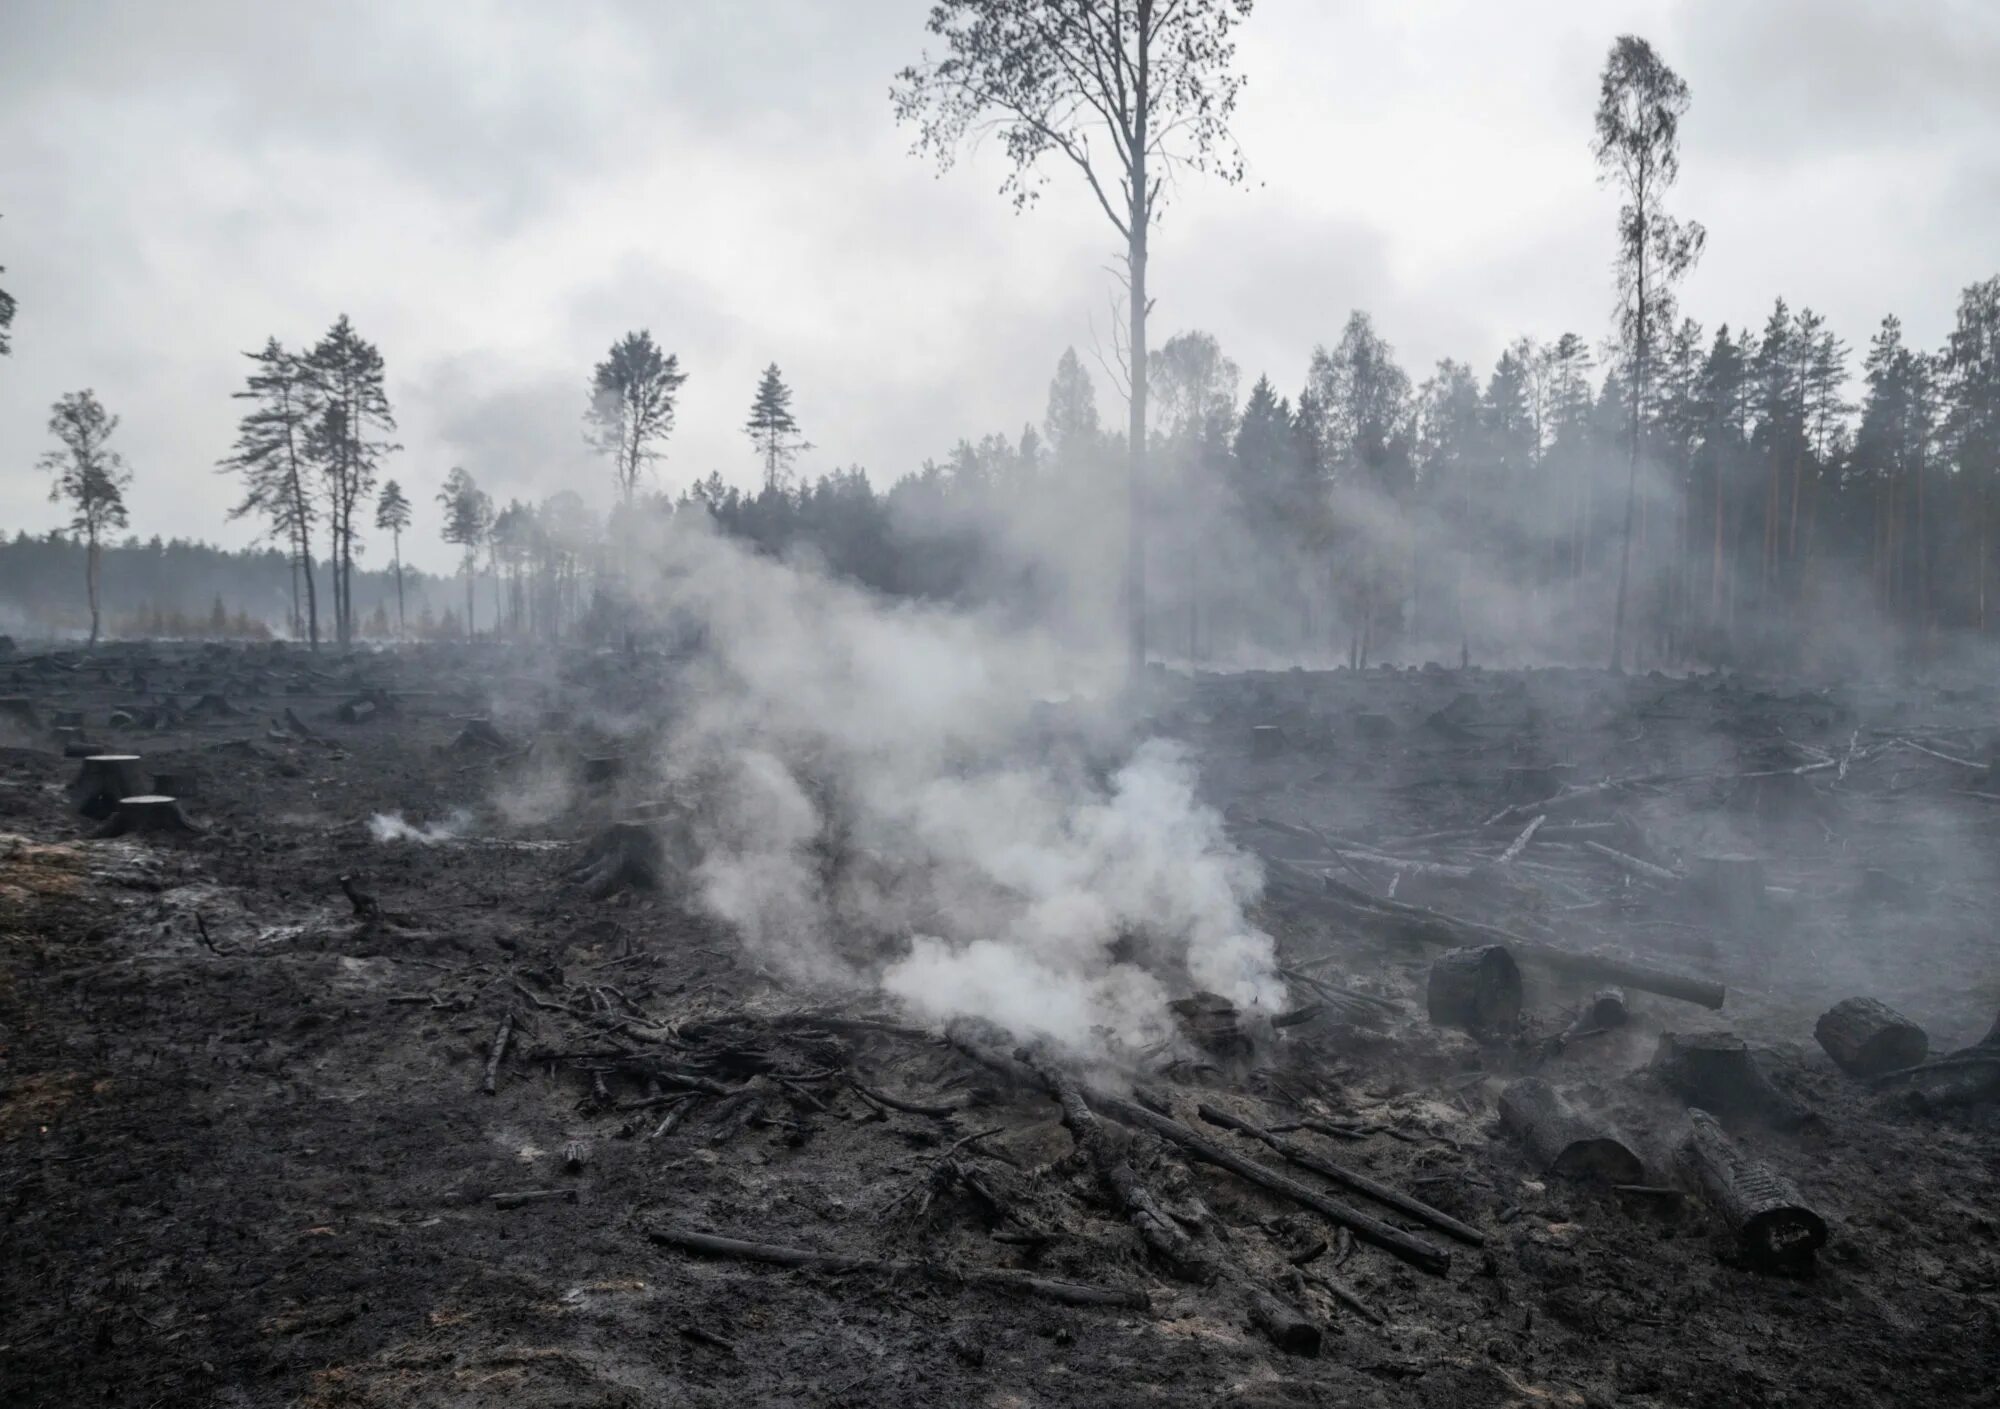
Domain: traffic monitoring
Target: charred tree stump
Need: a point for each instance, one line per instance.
(103, 781)
(1773, 1225)
(598, 771)
(1716, 1071)
(1867, 1038)
(1477, 988)
(624, 856)
(1564, 1142)
(213, 706)
(174, 784)
(21, 710)
(148, 814)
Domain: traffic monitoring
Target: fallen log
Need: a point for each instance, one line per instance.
(491, 1081)
(1716, 1071)
(1867, 1038)
(1564, 1142)
(1289, 1328)
(1773, 1225)
(1425, 1256)
(1477, 988)
(1349, 1179)
(1396, 920)
(1156, 1227)
(996, 1278)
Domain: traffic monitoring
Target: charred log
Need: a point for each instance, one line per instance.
(1775, 1228)
(1564, 1142)
(1289, 1328)
(1866, 1037)
(1350, 1179)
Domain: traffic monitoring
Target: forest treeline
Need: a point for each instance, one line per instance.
(1367, 513)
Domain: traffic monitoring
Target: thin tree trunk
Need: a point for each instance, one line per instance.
(91, 562)
(1135, 253)
(402, 625)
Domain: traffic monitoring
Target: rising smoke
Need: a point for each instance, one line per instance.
(916, 800)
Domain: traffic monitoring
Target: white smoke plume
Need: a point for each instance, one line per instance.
(390, 827)
(888, 796)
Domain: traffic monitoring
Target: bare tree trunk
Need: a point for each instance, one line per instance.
(1139, 212)
(92, 560)
(402, 626)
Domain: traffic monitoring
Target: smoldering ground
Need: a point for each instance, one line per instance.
(923, 801)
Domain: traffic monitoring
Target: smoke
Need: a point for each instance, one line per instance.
(390, 827)
(916, 800)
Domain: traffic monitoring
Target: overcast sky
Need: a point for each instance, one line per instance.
(495, 191)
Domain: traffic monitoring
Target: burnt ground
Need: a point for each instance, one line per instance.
(246, 1157)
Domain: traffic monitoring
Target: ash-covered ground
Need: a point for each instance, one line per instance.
(412, 1074)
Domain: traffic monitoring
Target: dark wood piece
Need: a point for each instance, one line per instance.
(1564, 1142)
(1110, 1158)
(1717, 1072)
(1289, 1328)
(1425, 1256)
(1776, 1229)
(149, 814)
(491, 1081)
(1349, 1179)
(1477, 988)
(1867, 1038)
(103, 781)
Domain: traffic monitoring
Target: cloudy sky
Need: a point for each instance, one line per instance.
(495, 190)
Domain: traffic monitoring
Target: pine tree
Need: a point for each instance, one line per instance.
(772, 428)
(1640, 104)
(91, 478)
(468, 517)
(633, 396)
(353, 413)
(272, 457)
(392, 516)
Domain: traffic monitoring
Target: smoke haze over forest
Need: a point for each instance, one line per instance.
(495, 192)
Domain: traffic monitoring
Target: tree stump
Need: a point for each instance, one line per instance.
(598, 771)
(1774, 1227)
(174, 784)
(1867, 1038)
(356, 711)
(624, 856)
(1266, 741)
(103, 780)
(149, 814)
(21, 710)
(1564, 1142)
(214, 706)
(1716, 1071)
(1477, 988)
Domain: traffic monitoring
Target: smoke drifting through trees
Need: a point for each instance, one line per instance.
(1152, 81)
